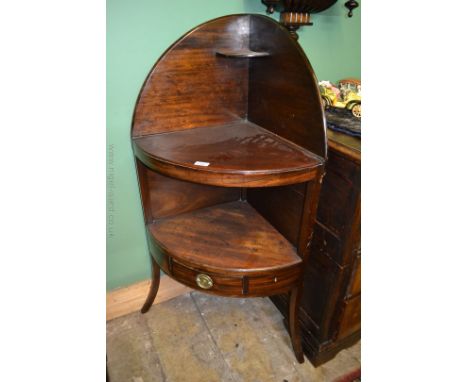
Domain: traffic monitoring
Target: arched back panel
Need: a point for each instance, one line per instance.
(192, 85)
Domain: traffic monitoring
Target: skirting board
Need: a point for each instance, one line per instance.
(122, 301)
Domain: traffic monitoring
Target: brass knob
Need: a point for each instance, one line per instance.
(204, 281)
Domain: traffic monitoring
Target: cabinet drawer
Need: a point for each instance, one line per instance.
(351, 318)
(261, 285)
(278, 282)
(219, 284)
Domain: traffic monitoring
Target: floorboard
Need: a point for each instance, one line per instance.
(198, 337)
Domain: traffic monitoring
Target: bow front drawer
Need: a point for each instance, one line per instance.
(206, 281)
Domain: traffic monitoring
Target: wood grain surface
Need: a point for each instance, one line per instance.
(191, 86)
(232, 106)
(283, 93)
(330, 308)
(238, 154)
(230, 237)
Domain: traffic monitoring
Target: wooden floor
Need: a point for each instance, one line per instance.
(197, 337)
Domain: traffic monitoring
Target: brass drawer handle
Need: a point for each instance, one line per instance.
(204, 281)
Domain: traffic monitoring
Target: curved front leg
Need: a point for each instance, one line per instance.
(156, 276)
(294, 330)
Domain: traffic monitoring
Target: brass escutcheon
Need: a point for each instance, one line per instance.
(204, 281)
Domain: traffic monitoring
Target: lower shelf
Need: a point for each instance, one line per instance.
(232, 244)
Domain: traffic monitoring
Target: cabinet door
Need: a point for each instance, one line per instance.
(339, 202)
(351, 309)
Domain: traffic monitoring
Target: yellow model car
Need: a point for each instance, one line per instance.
(347, 95)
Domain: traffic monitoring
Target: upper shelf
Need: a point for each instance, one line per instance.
(241, 53)
(241, 154)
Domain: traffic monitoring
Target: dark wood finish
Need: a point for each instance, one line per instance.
(243, 241)
(288, 76)
(241, 154)
(170, 197)
(222, 285)
(351, 317)
(308, 217)
(354, 288)
(241, 53)
(287, 220)
(294, 329)
(348, 146)
(155, 280)
(145, 191)
(296, 13)
(190, 86)
(229, 140)
(329, 314)
(330, 349)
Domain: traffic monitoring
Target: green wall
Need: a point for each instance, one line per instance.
(138, 32)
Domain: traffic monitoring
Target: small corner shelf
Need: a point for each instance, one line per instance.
(241, 53)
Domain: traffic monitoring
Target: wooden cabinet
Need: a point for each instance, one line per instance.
(330, 312)
(230, 145)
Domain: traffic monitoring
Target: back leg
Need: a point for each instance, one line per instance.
(294, 330)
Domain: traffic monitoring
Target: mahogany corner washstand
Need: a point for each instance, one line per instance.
(230, 144)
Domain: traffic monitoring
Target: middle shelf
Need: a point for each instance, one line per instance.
(240, 154)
